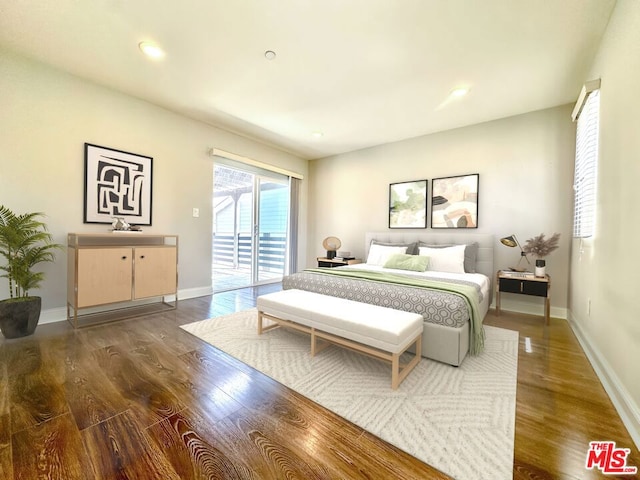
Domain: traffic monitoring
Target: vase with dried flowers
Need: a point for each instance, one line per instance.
(540, 247)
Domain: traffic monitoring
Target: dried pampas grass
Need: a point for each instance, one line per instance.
(540, 247)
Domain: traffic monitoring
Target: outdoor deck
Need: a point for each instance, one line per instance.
(226, 278)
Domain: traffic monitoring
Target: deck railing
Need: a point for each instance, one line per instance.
(236, 253)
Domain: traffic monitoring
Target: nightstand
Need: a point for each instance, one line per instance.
(525, 284)
(334, 262)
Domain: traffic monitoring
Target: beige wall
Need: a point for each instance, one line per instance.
(47, 116)
(605, 269)
(525, 166)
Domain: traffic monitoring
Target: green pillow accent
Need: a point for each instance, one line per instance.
(403, 261)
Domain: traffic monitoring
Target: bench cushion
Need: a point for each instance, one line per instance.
(381, 327)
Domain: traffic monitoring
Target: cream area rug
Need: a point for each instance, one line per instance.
(458, 420)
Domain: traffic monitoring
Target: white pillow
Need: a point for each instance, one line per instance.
(448, 259)
(379, 254)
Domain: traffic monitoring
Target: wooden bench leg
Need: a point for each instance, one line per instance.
(395, 371)
(397, 375)
(315, 346)
(261, 327)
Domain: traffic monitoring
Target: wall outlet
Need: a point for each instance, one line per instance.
(196, 212)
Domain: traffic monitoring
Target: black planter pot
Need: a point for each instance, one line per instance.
(19, 317)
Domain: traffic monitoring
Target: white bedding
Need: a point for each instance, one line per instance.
(478, 278)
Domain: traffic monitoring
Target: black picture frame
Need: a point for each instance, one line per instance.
(117, 184)
(454, 201)
(408, 204)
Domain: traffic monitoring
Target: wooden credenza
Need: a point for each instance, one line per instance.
(120, 268)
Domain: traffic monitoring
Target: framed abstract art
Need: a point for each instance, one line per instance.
(408, 204)
(454, 201)
(117, 184)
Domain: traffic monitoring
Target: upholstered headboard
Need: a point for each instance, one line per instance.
(484, 262)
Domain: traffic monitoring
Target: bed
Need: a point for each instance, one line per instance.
(452, 298)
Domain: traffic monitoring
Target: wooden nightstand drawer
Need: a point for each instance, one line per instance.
(332, 262)
(323, 263)
(526, 287)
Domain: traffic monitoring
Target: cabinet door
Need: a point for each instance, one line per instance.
(104, 275)
(155, 271)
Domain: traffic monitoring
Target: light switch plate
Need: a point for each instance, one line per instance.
(196, 212)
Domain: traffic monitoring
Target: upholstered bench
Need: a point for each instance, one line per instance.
(378, 331)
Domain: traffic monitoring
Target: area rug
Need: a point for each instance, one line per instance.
(458, 420)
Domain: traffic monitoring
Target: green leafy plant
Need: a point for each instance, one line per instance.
(24, 243)
(541, 247)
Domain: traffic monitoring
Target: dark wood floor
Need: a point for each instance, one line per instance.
(142, 399)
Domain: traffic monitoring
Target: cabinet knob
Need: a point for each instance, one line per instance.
(141, 256)
(124, 257)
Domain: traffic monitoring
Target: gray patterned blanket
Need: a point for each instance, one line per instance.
(437, 304)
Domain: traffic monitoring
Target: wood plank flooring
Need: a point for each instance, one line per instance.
(142, 399)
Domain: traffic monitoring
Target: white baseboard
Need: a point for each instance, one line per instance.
(195, 292)
(52, 315)
(628, 410)
(59, 314)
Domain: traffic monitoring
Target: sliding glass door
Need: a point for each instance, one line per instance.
(272, 214)
(250, 226)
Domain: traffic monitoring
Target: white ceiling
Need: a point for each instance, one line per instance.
(363, 72)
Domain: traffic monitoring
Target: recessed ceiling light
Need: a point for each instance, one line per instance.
(459, 92)
(270, 55)
(151, 49)
(317, 134)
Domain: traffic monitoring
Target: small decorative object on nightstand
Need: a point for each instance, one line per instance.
(512, 241)
(524, 283)
(540, 247)
(331, 245)
(336, 262)
(540, 268)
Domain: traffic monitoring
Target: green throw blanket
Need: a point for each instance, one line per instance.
(467, 292)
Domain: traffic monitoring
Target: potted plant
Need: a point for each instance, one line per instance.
(24, 243)
(540, 247)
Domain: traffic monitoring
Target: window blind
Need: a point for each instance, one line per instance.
(586, 165)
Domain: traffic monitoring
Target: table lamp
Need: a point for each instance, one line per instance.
(331, 245)
(512, 241)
